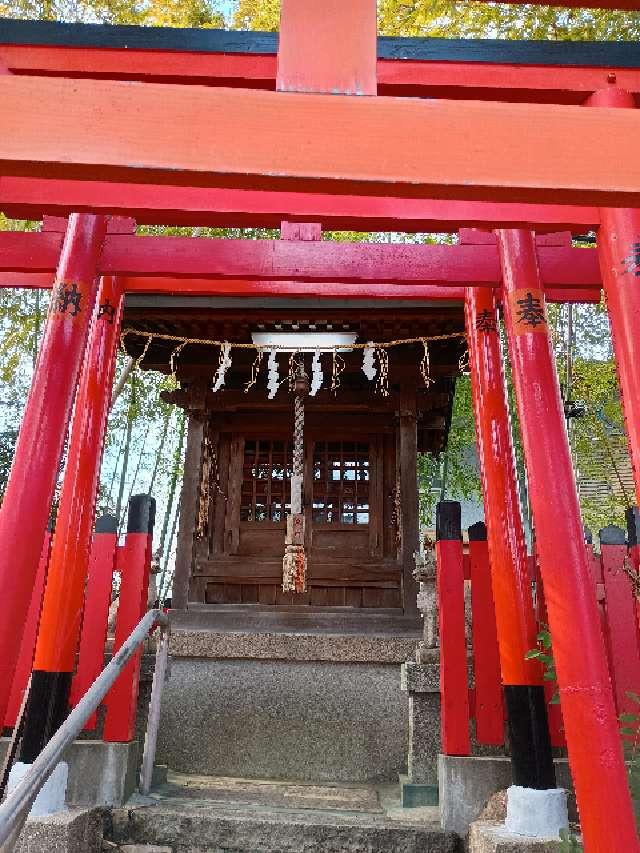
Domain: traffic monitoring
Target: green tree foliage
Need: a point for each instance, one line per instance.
(261, 15)
(496, 20)
(443, 19)
(155, 13)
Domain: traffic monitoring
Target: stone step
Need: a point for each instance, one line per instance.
(235, 617)
(203, 815)
(141, 848)
(206, 827)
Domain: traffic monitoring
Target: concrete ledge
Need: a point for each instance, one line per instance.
(100, 774)
(73, 831)
(338, 648)
(467, 782)
(486, 837)
(420, 677)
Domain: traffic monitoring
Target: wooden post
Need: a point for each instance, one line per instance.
(59, 631)
(454, 681)
(188, 513)
(619, 251)
(234, 495)
(134, 562)
(622, 622)
(408, 478)
(633, 540)
(593, 740)
(489, 705)
(27, 500)
(20, 686)
(102, 564)
(633, 535)
(531, 756)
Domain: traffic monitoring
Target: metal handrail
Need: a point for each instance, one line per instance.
(15, 809)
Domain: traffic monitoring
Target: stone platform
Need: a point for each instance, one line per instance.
(312, 705)
(216, 815)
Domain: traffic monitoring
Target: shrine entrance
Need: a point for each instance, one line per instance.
(361, 421)
(346, 551)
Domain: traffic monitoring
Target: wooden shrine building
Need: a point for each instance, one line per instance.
(360, 442)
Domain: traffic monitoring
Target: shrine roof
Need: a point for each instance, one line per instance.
(234, 320)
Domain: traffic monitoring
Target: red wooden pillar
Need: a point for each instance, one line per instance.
(531, 754)
(93, 637)
(488, 704)
(591, 726)
(27, 501)
(619, 253)
(454, 681)
(29, 637)
(62, 608)
(622, 621)
(134, 562)
(633, 536)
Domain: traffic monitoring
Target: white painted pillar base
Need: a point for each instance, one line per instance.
(51, 798)
(537, 814)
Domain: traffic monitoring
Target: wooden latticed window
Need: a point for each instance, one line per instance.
(341, 482)
(266, 481)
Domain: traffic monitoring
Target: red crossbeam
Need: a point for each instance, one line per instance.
(289, 260)
(325, 290)
(31, 198)
(405, 77)
(462, 150)
(23, 251)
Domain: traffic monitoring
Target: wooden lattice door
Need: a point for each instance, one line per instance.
(340, 484)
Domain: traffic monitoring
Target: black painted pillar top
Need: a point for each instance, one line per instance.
(612, 535)
(107, 524)
(142, 514)
(633, 526)
(478, 532)
(448, 521)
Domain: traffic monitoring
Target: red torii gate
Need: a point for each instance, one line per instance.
(310, 146)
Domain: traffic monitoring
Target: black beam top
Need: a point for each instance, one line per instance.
(615, 54)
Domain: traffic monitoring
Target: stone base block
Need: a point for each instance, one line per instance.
(51, 797)
(315, 721)
(467, 782)
(487, 837)
(424, 738)
(536, 813)
(422, 682)
(100, 774)
(73, 831)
